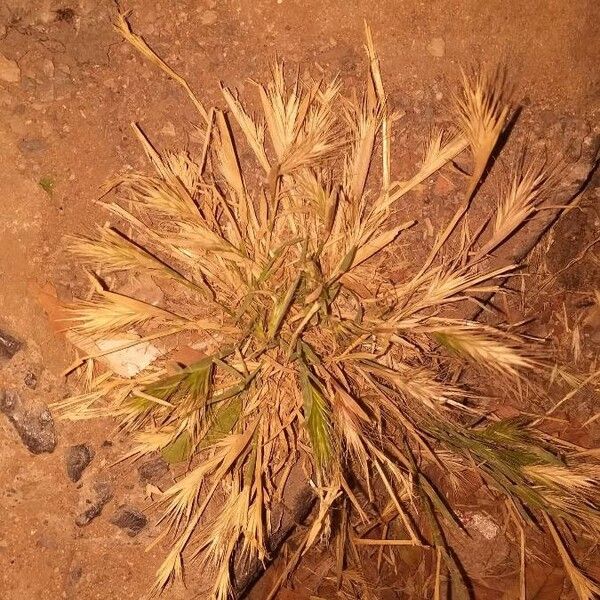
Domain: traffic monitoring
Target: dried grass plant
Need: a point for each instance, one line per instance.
(314, 353)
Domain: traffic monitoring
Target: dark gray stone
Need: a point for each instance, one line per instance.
(32, 421)
(9, 345)
(130, 519)
(97, 496)
(78, 458)
(66, 15)
(153, 470)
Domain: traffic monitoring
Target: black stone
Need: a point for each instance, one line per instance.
(101, 493)
(130, 519)
(9, 345)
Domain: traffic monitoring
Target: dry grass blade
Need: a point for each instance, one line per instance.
(584, 587)
(122, 26)
(255, 134)
(381, 97)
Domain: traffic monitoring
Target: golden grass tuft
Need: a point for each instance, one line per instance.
(313, 352)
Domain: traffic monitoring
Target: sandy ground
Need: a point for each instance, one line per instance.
(69, 89)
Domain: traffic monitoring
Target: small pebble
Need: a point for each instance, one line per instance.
(30, 380)
(168, 129)
(75, 574)
(437, 47)
(30, 146)
(208, 17)
(94, 500)
(9, 70)
(443, 186)
(48, 68)
(78, 458)
(65, 15)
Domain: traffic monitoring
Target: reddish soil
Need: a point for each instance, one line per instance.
(66, 104)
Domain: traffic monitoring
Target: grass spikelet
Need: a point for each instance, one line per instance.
(482, 108)
(319, 356)
(487, 347)
(317, 418)
(254, 132)
(113, 251)
(111, 313)
(438, 152)
(518, 201)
